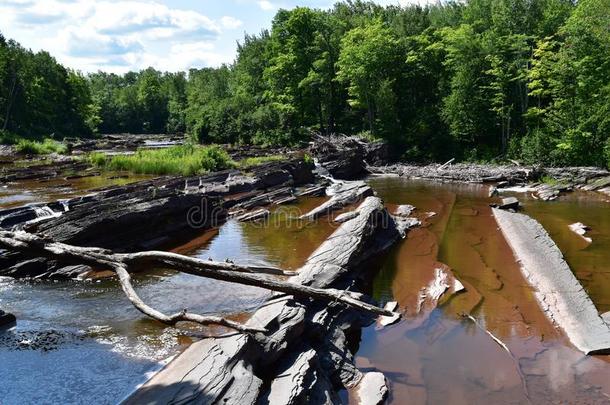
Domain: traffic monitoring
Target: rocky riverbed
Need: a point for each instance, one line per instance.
(170, 212)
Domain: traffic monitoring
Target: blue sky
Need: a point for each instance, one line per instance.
(118, 36)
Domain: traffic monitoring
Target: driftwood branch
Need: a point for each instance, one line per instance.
(505, 347)
(447, 163)
(119, 263)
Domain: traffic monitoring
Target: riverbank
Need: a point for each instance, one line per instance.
(544, 182)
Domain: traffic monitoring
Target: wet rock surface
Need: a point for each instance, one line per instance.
(45, 340)
(462, 172)
(559, 293)
(305, 356)
(148, 214)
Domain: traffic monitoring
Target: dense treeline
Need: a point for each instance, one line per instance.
(480, 79)
(144, 102)
(39, 97)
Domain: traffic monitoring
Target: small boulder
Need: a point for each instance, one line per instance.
(372, 389)
(6, 318)
(509, 203)
(389, 320)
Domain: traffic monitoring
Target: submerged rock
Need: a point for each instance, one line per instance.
(580, 229)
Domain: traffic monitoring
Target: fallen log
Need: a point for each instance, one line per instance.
(36, 246)
(305, 344)
(559, 293)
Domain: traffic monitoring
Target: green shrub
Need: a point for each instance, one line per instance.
(536, 147)
(184, 160)
(549, 180)
(307, 158)
(40, 148)
(97, 159)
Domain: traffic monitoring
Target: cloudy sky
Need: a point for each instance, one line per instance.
(118, 36)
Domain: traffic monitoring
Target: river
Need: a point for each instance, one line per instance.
(82, 342)
(439, 356)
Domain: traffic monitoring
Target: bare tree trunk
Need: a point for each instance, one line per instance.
(119, 263)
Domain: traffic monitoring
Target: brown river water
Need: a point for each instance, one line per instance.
(437, 356)
(102, 347)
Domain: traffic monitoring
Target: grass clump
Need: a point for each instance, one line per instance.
(186, 160)
(45, 147)
(551, 181)
(254, 161)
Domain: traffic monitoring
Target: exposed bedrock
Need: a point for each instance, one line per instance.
(347, 157)
(148, 214)
(305, 356)
(506, 177)
(342, 194)
(462, 172)
(559, 293)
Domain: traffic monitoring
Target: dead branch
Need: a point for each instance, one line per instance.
(447, 163)
(119, 263)
(505, 347)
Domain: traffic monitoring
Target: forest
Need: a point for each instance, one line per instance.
(479, 80)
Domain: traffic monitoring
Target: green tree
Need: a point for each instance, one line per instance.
(368, 59)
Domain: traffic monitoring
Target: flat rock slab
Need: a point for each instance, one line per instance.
(559, 293)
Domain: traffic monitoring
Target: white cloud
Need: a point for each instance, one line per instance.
(230, 22)
(266, 5)
(117, 36)
(83, 42)
(150, 18)
(185, 56)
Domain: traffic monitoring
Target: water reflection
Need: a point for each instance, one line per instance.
(113, 344)
(440, 357)
(19, 193)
